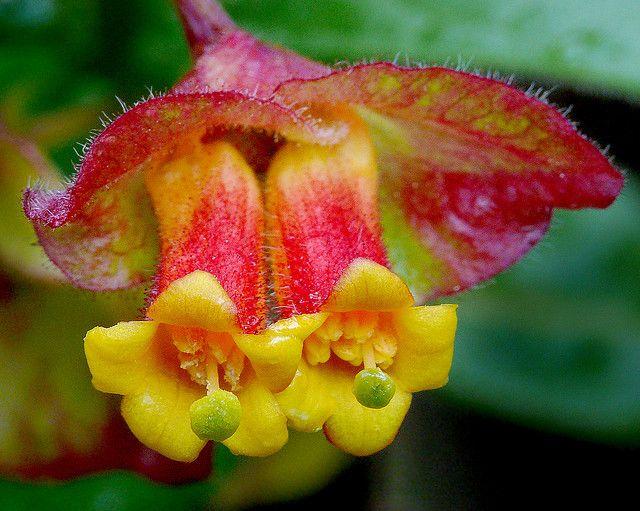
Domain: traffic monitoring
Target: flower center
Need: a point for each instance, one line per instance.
(212, 359)
(361, 338)
(364, 339)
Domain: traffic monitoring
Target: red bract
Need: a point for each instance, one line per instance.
(231, 59)
(100, 231)
(473, 165)
(290, 216)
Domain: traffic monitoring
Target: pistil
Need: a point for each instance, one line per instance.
(216, 416)
(213, 380)
(368, 356)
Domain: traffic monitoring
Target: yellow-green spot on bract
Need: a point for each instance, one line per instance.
(373, 388)
(216, 416)
(410, 259)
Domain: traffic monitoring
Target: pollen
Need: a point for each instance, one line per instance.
(361, 338)
(210, 358)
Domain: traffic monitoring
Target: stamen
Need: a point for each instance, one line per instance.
(215, 416)
(361, 338)
(331, 329)
(204, 354)
(316, 350)
(352, 336)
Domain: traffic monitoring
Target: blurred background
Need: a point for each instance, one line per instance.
(544, 397)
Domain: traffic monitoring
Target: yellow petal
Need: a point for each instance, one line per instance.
(275, 353)
(158, 415)
(358, 430)
(307, 402)
(196, 300)
(263, 427)
(119, 357)
(369, 286)
(425, 346)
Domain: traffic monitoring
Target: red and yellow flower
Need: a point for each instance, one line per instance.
(292, 219)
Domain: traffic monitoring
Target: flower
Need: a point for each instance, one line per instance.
(374, 348)
(292, 219)
(199, 370)
(54, 425)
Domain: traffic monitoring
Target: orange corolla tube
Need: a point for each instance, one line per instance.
(204, 365)
(375, 347)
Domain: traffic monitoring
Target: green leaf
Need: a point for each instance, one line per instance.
(555, 342)
(111, 491)
(590, 44)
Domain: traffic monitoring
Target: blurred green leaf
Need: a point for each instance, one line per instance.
(112, 491)
(555, 342)
(304, 465)
(591, 44)
(60, 56)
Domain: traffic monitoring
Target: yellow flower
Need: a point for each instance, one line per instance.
(191, 359)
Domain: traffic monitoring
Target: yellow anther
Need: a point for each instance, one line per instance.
(201, 352)
(348, 350)
(385, 348)
(331, 329)
(352, 337)
(316, 350)
(350, 326)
